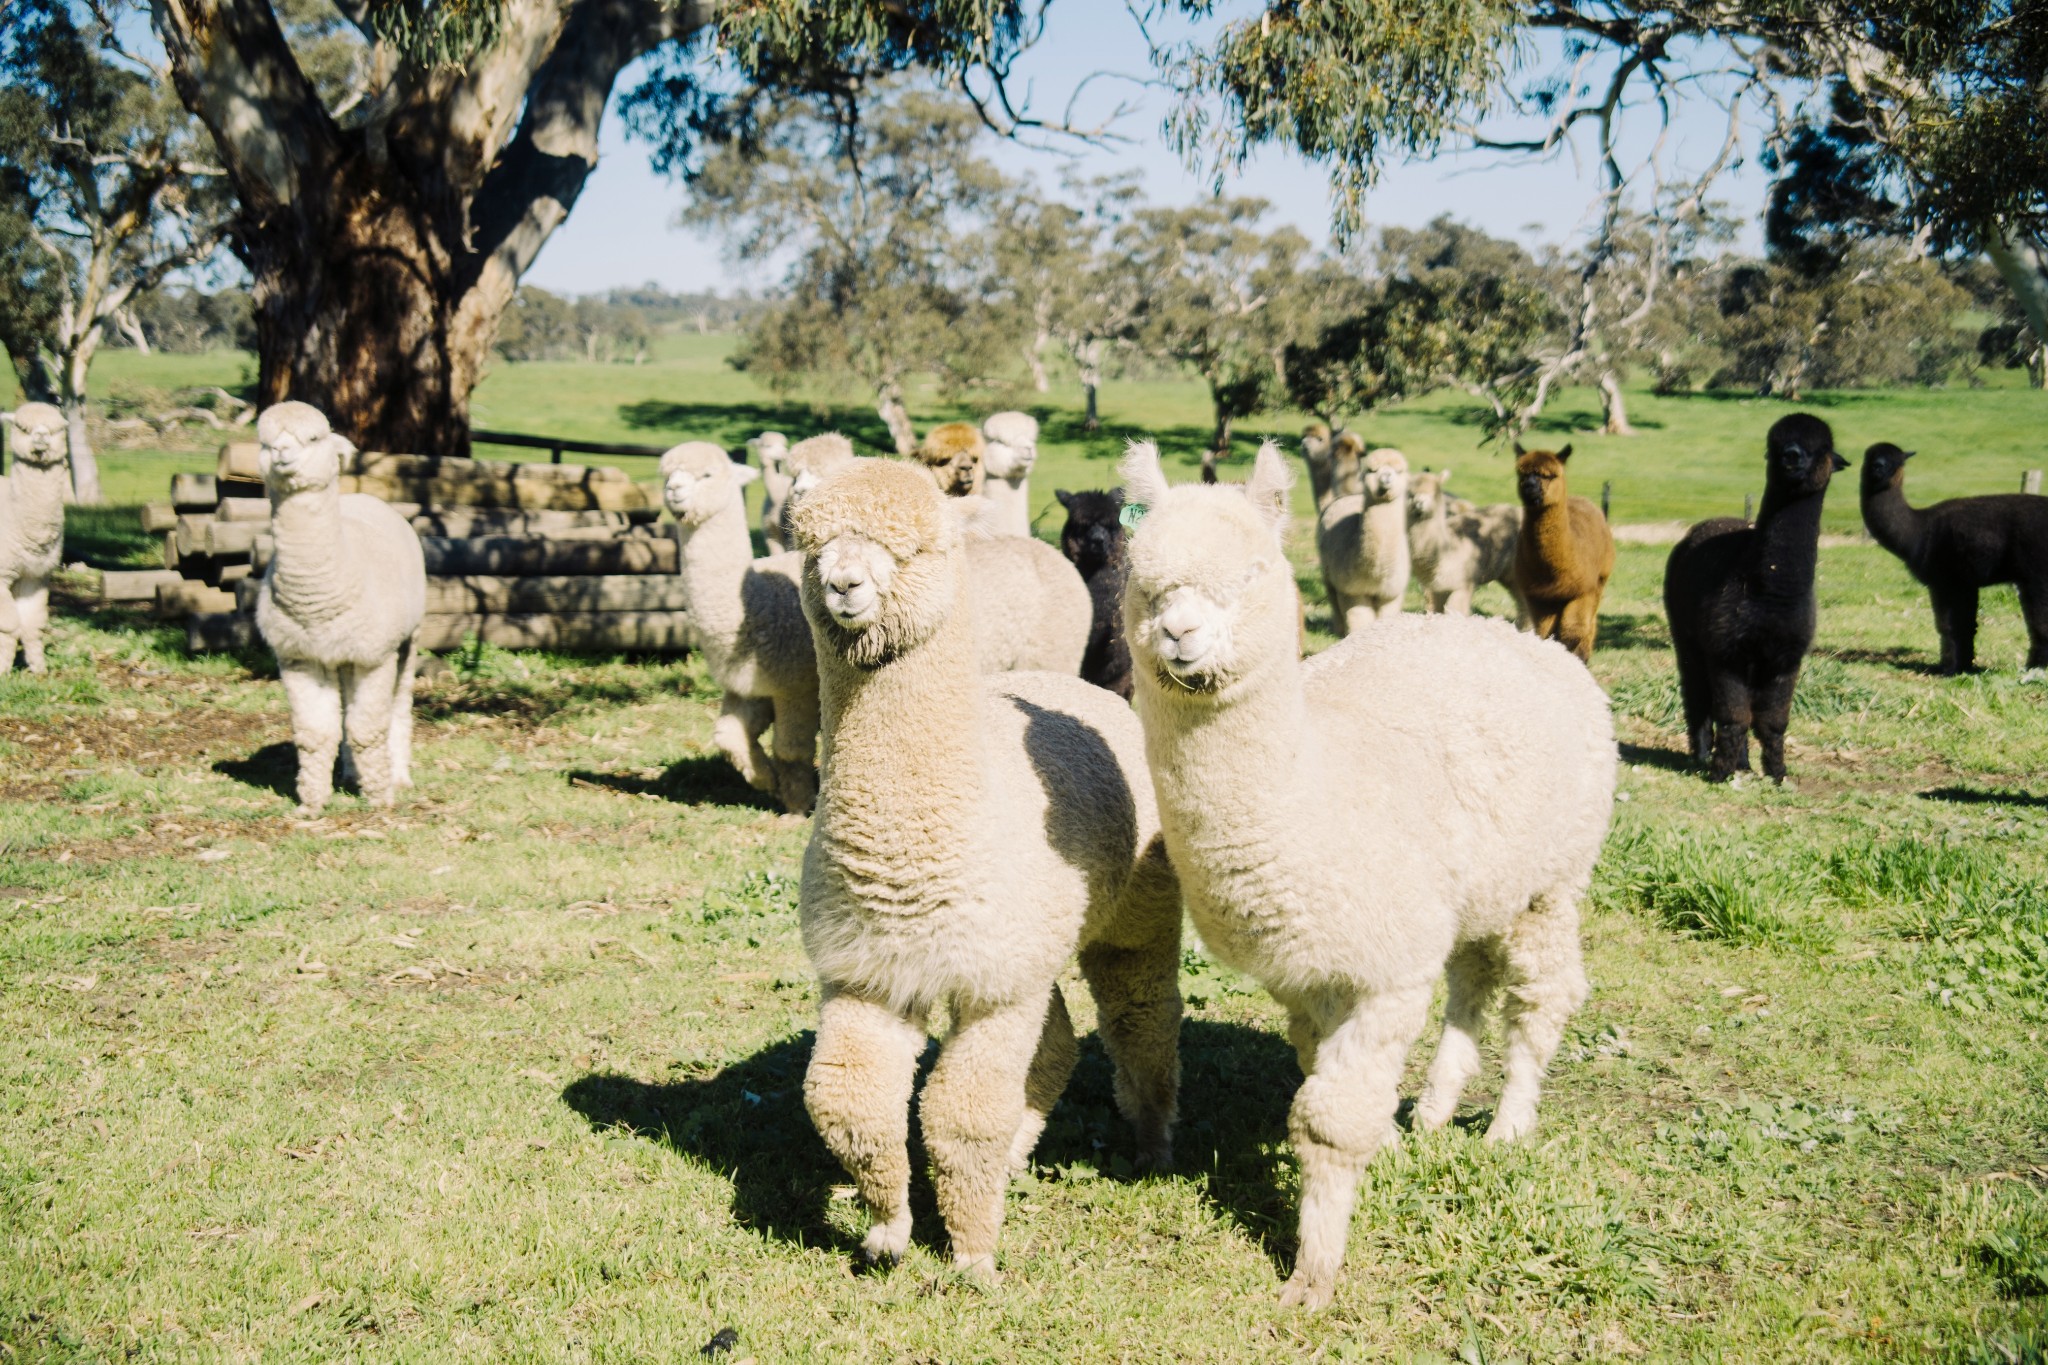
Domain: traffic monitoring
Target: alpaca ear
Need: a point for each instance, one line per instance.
(1116, 497)
(1271, 480)
(344, 451)
(1142, 474)
(1519, 450)
(1443, 478)
(1066, 498)
(1564, 454)
(744, 474)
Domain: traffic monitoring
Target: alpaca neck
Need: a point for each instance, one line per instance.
(1549, 529)
(715, 556)
(1432, 534)
(1787, 543)
(1898, 526)
(1010, 496)
(37, 493)
(902, 768)
(311, 577)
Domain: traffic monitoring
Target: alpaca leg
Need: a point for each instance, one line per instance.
(1051, 1066)
(400, 742)
(1305, 1037)
(1390, 607)
(32, 610)
(737, 736)
(2034, 611)
(1730, 703)
(1474, 975)
(1692, 697)
(1546, 983)
(1771, 712)
(796, 747)
(1359, 615)
(1579, 626)
(367, 695)
(1456, 602)
(1342, 1115)
(972, 1107)
(1137, 1001)
(1543, 623)
(10, 630)
(1955, 620)
(314, 695)
(857, 1091)
(1340, 612)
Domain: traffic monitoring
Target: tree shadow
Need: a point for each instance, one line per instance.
(272, 768)
(1973, 796)
(1671, 760)
(700, 780)
(733, 424)
(1622, 630)
(1901, 657)
(458, 692)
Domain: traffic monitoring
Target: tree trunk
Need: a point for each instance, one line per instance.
(1035, 358)
(1089, 361)
(1090, 420)
(2022, 263)
(1613, 406)
(85, 469)
(1219, 447)
(889, 406)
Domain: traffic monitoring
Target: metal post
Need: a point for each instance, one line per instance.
(2030, 482)
(1606, 499)
(555, 455)
(1749, 507)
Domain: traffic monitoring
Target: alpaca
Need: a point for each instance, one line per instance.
(1362, 540)
(1740, 602)
(772, 449)
(1093, 542)
(1011, 448)
(806, 462)
(1564, 554)
(1426, 798)
(1959, 546)
(339, 605)
(1455, 547)
(953, 452)
(1347, 465)
(1031, 608)
(970, 835)
(749, 623)
(31, 530)
(1316, 453)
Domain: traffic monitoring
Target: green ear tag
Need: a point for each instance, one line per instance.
(1132, 514)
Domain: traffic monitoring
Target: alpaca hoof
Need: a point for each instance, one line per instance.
(980, 1269)
(305, 811)
(1157, 1158)
(1303, 1290)
(1509, 1128)
(1428, 1118)
(885, 1244)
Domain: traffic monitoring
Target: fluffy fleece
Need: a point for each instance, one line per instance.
(1959, 546)
(1740, 602)
(771, 448)
(1315, 453)
(1093, 542)
(749, 621)
(807, 462)
(1454, 547)
(1564, 554)
(1362, 540)
(31, 530)
(339, 605)
(970, 835)
(953, 452)
(1426, 798)
(1032, 611)
(1010, 449)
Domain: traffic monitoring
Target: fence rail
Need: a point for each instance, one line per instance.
(555, 445)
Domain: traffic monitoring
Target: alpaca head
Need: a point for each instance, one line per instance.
(1094, 533)
(1386, 475)
(1426, 493)
(1539, 476)
(699, 480)
(1801, 454)
(953, 452)
(879, 546)
(1210, 595)
(1011, 445)
(1315, 443)
(38, 435)
(772, 449)
(1884, 467)
(812, 458)
(298, 451)
(1347, 453)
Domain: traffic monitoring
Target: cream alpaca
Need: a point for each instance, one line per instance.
(1362, 540)
(749, 623)
(1427, 797)
(1012, 448)
(31, 531)
(1455, 547)
(772, 449)
(971, 834)
(339, 606)
(1032, 609)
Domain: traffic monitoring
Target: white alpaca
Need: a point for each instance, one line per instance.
(772, 449)
(1362, 540)
(339, 606)
(1426, 798)
(31, 530)
(1012, 439)
(749, 623)
(1455, 547)
(971, 834)
(1032, 608)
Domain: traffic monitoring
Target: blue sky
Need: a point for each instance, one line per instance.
(622, 232)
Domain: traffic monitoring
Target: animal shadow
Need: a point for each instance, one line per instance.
(1906, 660)
(700, 780)
(272, 768)
(1621, 630)
(1972, 796)
(1671, 760)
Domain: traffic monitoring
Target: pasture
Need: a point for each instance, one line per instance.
(512, 1072)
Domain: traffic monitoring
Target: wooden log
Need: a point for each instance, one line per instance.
(241, 488)
(191, 532)
(378, 464)
(636, 632)
(171, 555)
(224, 538)
(2030, 482)
(540, 556)
(159, 517)
(243, 510)
(185, 597)
(525, 596)
(507, 521)
(232, 576)
(240, 460)
(135, 585)
(194, 492)
(221, 630)
(443, 492)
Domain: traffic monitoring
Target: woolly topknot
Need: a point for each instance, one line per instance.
(1012, 428)
(302, 421)
(948, 441)
(821, 452)
(39, 434)
(38, 419)
(891, 504)
(694, 455)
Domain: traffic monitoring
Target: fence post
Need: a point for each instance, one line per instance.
(555, 455)
(1606, 499)
(2030, 482)
(1749, 507)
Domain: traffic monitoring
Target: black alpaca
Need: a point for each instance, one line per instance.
(1959, 546)
(1093, 539)
(1740, 602)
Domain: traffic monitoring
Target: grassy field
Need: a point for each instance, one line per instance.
(513, 1071)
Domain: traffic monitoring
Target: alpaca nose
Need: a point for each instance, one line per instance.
(1530, 488)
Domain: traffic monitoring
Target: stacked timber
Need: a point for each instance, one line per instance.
(525, 556)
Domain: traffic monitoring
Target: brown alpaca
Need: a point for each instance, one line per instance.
(1564, 556)
(952, 452)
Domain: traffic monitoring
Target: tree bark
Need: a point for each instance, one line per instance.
(889, 407)
(85, 468)
(2022, 262)
(1219, 447)
(1613, 406)
(1089, 357)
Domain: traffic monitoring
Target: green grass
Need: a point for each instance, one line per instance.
(513, 1072)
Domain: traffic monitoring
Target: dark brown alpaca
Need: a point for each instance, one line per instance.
(1093, 541)
(1959, 546)
(1564, 557)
